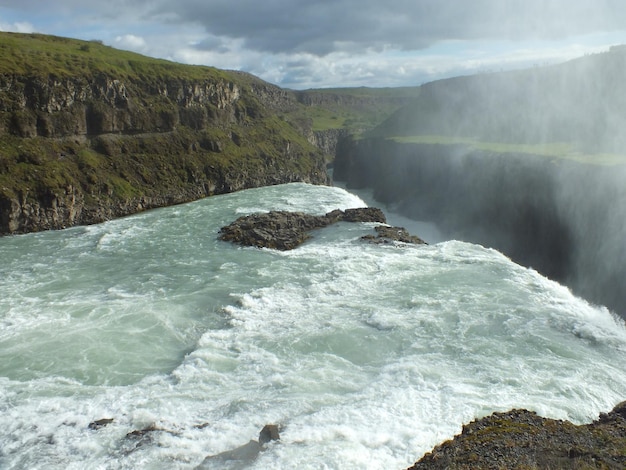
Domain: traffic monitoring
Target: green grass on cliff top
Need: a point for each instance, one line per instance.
(369, 92)
(43, 55)
(565, 150)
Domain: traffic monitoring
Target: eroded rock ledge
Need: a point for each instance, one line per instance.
(523, 440)
(283, 230)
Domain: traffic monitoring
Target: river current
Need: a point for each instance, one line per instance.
(365, 355)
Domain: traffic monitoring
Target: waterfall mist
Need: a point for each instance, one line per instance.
(531, 163)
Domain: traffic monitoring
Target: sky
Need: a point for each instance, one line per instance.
(302, 44)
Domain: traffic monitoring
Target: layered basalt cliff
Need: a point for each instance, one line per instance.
(60, 107)
(561, 217)
(104, 137)
(327, 140)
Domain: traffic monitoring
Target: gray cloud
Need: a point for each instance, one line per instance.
(320, 27)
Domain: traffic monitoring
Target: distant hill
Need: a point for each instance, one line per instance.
(582, 102)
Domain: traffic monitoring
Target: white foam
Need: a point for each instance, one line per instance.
(366, 355)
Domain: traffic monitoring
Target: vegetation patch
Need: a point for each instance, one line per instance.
(354, 109)
(561, 150)
(64, 57)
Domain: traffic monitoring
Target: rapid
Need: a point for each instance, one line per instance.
(365, 355)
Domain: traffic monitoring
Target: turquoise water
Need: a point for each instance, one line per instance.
(367, 356)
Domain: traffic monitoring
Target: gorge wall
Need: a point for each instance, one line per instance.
(81, 149)
(563, 218)
(327, 140)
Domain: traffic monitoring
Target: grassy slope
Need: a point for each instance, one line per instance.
(565, 150)
(43, 55)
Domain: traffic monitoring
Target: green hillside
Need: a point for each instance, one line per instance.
(44, 55)
(354, 109)
(88, 132)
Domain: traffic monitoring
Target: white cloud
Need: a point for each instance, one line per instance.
(130, 41)
(17, 27)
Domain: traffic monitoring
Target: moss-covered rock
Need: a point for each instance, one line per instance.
(520, 439)
(283, 230)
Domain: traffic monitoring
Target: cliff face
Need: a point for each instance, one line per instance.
(326, 98)
(53, 107)
(563, 218)
(337, 113)
(328, 140)
(83, 147)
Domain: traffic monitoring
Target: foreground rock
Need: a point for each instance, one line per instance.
(246, 453)
(385, 234)
(283, 230)
(522, 439)
(99, 423)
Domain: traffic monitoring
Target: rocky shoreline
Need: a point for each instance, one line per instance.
(522, 439)
(516, 439)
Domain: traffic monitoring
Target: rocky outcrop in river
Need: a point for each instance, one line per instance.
(282, 230)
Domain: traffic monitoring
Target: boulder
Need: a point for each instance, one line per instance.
(99, 423)
(364, 214)
(280, 230)
(246, 453)
(386, 234)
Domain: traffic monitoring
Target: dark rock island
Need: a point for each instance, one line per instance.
(284, 230)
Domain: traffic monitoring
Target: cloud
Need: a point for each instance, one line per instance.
(325, 26)
(130, 41)
(17, 27)
(321, 27)
(312, 43)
